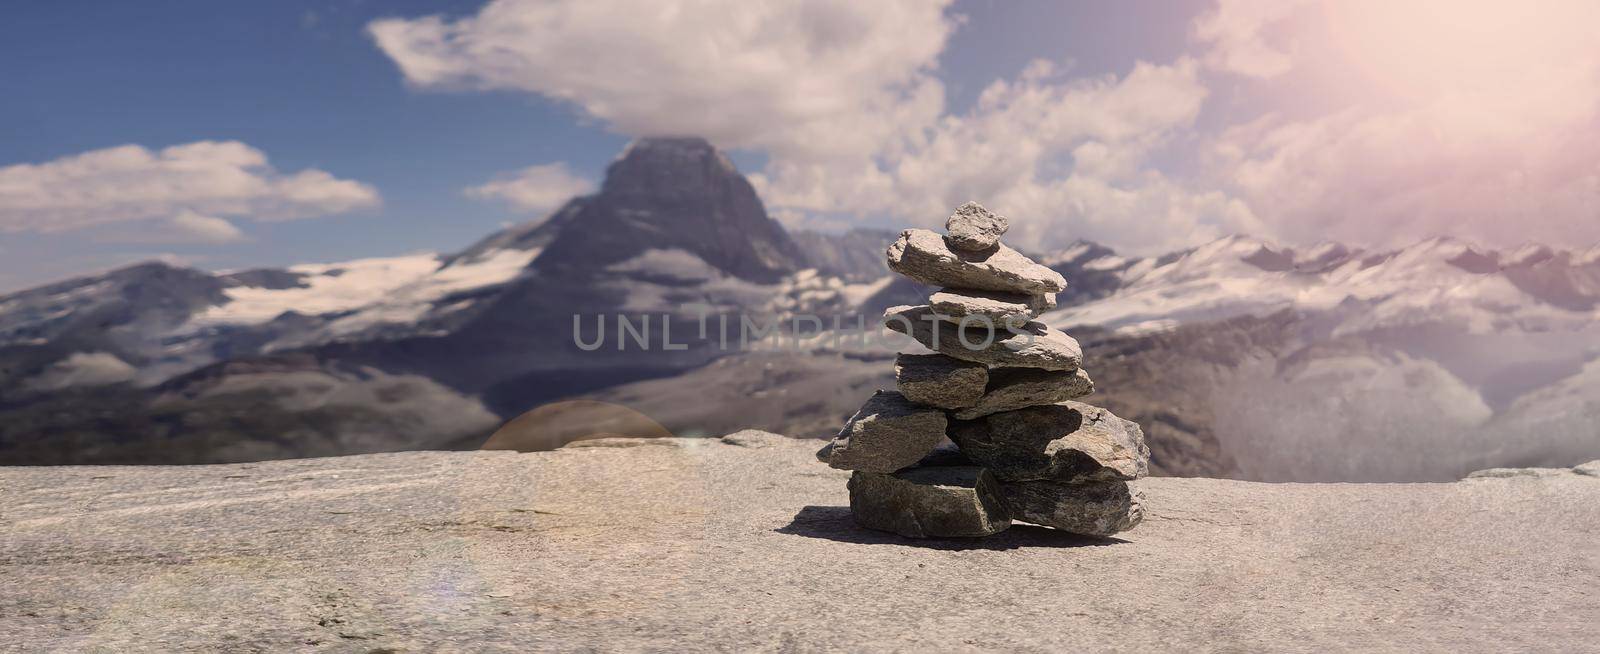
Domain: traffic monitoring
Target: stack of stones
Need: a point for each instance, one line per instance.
(986, 430)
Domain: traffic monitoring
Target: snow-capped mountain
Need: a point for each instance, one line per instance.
(1424, 362)
(673, 233)
(1239, 357)
(1534, 286)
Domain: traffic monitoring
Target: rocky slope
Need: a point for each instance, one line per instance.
(743, 543)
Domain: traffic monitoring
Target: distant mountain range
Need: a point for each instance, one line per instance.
(1240, 358)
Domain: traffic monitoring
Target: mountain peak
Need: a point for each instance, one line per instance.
(672, 165)
(672, 193)
(647, 144)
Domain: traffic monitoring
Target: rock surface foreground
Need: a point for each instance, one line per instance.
(745, 544)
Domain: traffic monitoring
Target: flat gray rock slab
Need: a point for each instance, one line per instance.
(972, 227)
(1065, 442)
(934, 502)
(1033, 345)
(1098, 508)
(999, 308)
(888, 433)
(1015, 388)
(695, 545)
(938, 380)
(924, 256)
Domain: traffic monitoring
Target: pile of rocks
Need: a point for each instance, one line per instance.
(986, 430)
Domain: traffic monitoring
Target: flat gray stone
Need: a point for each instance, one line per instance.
(946, 454)
(941, 502)
(924, 256)
(999, 308)
(1016, 388)
(973, 227)
(1065, 442)
(939, 380)
(1032, 345)
(1092, 509)
(702, 545)
(887, 434)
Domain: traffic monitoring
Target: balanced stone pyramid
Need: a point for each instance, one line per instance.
(986, 430)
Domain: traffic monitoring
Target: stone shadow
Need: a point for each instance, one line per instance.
(835, 523)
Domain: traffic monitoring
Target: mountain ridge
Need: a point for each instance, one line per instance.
(1476, 341)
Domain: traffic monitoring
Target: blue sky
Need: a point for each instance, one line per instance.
(302, 82)
(1143, 124)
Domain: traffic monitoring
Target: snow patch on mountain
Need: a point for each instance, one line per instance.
(811, 290)
(82, 369)
(1436, 280)
(427, 295)
(674, 264)
(371, 291)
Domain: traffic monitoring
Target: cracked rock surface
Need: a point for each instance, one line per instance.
(1065, 442)
(888, 433)
(925, 257)
(940, 381)
(1033, 345)
(943, 501)
(697, 544)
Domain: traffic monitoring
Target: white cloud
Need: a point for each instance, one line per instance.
(535, 189)
(186, 227)
(1482, 123)
(1388, 178)
(1236, 33)
(205, 229)
(187, 186)
(842, 98)
(814, 77)
(1424, 127)
(1068, 158)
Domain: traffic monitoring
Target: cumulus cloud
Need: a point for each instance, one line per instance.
(185, 227)
(1481, 122)
(843, 99)
(1067, 156)
(826, 77)
(535, 189)
(1389, 178)
(188, 187)
(205, 229)
(1236, 33)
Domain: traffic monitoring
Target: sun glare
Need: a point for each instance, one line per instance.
(1419, 48)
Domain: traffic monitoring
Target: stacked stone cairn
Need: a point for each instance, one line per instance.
(986, 430)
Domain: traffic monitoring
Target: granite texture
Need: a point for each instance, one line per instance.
(746, 544)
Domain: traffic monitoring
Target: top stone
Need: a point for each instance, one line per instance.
(925, 257)
(974, 228)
